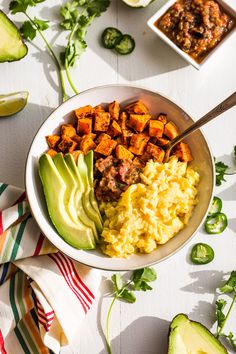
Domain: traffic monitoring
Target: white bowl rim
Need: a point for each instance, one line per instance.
(131, 86)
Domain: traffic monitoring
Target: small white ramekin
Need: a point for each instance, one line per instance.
(188, 58)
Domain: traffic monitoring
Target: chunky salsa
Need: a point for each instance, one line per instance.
(196, 26)
(122, 139)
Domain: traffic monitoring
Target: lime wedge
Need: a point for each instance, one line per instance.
(137, 3)
(12, 103)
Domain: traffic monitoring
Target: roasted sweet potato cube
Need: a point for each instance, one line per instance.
(114, 109)
(87, 143)
(170, 130)
(67, 130)
(115, 128)
(51, 152)
(122, 153)
(126, 135)
(76, 154)
(137, 107)
(122, 120)
(102, 121)
(67, 145)
(98, 109)
(77, 138)
(156, 152)
(162, 118)
(138, 143)
(156, 128)
(86, 111)
(183, 152)
(53, 140)
(138, 121)
(103, 137)
(85, 125)
(106, 146)
(162, 141)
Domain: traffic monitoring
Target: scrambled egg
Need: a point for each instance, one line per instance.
(151, 212)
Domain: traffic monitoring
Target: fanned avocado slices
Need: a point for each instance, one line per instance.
(60, 205)
(92, 213)
(12, 46)
(188, 336)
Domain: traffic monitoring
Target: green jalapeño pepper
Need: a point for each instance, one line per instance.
(110, 36)
(202, 254)
(216, 223)
(216, 206)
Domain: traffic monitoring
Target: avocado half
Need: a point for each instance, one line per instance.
(12, 47)
(188, 336)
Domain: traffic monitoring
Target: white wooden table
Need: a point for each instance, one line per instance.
(140, 328)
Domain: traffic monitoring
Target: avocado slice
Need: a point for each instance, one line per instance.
(70, 162)
(90, 211)
(55, 190)
(187, 336)
(12, 46)
(88, 158)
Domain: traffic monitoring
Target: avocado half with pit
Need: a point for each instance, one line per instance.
(188, 336)
(12, 47)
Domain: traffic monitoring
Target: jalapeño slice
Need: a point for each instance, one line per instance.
(202, 254)
(125, 45)
(216, 223)
(110, 36)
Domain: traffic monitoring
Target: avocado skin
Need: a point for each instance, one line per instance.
(75, 234)
(182, 318)
(5, 55)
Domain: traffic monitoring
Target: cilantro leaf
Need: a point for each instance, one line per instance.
(28, 31)
(127, 295)
(220, 169)
(117, 282)
(220, 316)
(96, 7)
(69, 13)
(41, 25)
(232, 340)
(142, 277)
(22, 5)
(230, 284)
(235, 153)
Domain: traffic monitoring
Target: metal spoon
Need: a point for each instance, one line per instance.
(215, 112)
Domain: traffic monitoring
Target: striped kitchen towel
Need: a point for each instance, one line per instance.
(44, 296)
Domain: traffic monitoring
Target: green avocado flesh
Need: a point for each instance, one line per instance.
(59, 189)
(189, 337)
(78, 195)
(11, 45)
(86, 198)
(88, 158)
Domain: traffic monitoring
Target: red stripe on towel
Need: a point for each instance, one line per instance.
(20, 199)
(67, 279)
(39, 245)
(2, 349)
(76, 279)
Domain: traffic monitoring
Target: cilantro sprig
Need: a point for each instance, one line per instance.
(31, 27)
(228, 288)
(221, 170)
(139, 281)
(77, 16)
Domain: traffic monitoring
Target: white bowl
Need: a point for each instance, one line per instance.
(156, 103)
(164, 8)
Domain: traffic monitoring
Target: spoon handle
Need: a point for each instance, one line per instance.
(215, 112)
